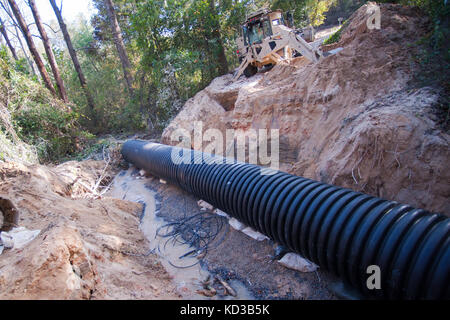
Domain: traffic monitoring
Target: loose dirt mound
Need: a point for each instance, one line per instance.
(89, 247)
(349, 119)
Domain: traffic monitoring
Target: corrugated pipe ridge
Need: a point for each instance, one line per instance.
(342, 231)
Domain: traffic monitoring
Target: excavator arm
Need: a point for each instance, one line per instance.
(298, 43)
(269, 47)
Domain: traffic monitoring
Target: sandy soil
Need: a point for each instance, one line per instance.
(89, 246)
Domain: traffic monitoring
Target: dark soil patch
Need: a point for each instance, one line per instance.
(239, 257)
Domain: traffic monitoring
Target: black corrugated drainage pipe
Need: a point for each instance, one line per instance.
(342, 231)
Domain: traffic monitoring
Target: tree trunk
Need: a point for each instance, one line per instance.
(30, 61)
(27, 34)
(8, 43)
(49, 52)
(118, 40)
(222, 58)
(16, 33)
(75, 61)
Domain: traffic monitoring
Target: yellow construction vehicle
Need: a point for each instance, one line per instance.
(267, 38)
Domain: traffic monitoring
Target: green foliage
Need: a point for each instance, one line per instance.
(22, 66)
(180, 43)
(53, 131)
(317, 11)
(15, 150)
(97, 148)
(176, 47)
(114, 110)
(32, 119)
(4, 53)
(306, 12)
(335, 37)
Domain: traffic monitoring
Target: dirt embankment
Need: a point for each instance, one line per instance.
(89, 246)
(351, 119)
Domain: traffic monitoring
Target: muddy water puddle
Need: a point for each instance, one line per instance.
(187, 273)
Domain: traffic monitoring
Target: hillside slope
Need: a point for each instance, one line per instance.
(352, 119)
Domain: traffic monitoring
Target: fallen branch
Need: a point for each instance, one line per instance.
(227, 287)
(102, 175)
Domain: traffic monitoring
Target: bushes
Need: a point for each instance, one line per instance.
(33, 121)
(53, 131)
(16, 150)
(335, 37)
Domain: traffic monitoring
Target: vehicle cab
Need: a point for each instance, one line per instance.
(259, 25)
